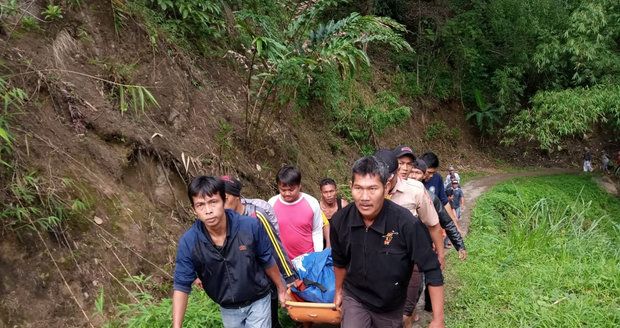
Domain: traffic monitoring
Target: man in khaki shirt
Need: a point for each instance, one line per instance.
(412, 195)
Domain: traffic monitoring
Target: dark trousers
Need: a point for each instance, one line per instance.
(414, 290)
(356, 315)
(275, 305)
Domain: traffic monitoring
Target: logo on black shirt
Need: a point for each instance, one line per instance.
(388, 237)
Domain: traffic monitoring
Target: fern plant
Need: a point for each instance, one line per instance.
(284, 54)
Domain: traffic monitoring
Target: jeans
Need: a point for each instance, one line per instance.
(255, 315)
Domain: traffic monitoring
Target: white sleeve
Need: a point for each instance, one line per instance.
(272, 200)
(317, 223)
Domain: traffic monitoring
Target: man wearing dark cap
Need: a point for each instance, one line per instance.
(452, 175)
(375, 244)
(412, 195)
(261, 210)
(458, 199)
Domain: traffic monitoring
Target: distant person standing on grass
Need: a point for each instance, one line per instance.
(330, 200)
(299, 215)
(587, 161)
(232, 256)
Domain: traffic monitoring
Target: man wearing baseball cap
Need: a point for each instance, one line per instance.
(412, 195)
(452, 175)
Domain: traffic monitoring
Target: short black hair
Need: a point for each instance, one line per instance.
(370, 165)
(205, 186)
(432, 161)
(289, 175)
(326, 182)
(420, 165)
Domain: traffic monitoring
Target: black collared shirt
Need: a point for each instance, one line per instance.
(379, 259)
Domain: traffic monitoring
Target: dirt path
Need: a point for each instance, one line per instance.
(473, 189)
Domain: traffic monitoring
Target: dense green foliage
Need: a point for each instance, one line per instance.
(520, 67)
(542, 253)
(508, 59)
(558, 114)
(149, 313)
(285, 54)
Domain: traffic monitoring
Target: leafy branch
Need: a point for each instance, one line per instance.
(283, 58)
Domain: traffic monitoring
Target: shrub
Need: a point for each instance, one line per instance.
(52, 12)
(436, 130)
(35, 203)
(12, 100)
(195, 19)
(365, 122)
(556, 115)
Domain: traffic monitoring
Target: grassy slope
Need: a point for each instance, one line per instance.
(542, 253)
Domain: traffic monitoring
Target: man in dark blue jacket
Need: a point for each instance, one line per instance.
(434, 182)
(232, 256)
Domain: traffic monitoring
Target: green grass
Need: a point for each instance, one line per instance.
(201, 312)
(150, 313)
(542, 253)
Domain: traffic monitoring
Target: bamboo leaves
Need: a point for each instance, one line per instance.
(136, 97)
(12, 99)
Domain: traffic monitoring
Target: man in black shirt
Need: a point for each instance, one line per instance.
(374, 246)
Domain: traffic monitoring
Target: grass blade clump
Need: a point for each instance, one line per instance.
(543, 253)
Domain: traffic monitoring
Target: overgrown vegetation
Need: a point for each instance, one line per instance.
(34, 203)
(152, 313)
(284, 54)
(557, 115)
(518, 65)
(542, 253)
(12, 100)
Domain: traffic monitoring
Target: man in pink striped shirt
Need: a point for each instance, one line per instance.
(299, 214)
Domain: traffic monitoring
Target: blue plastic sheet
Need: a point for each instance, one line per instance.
(316, 270)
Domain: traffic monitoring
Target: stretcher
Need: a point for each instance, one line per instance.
(302, 311)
